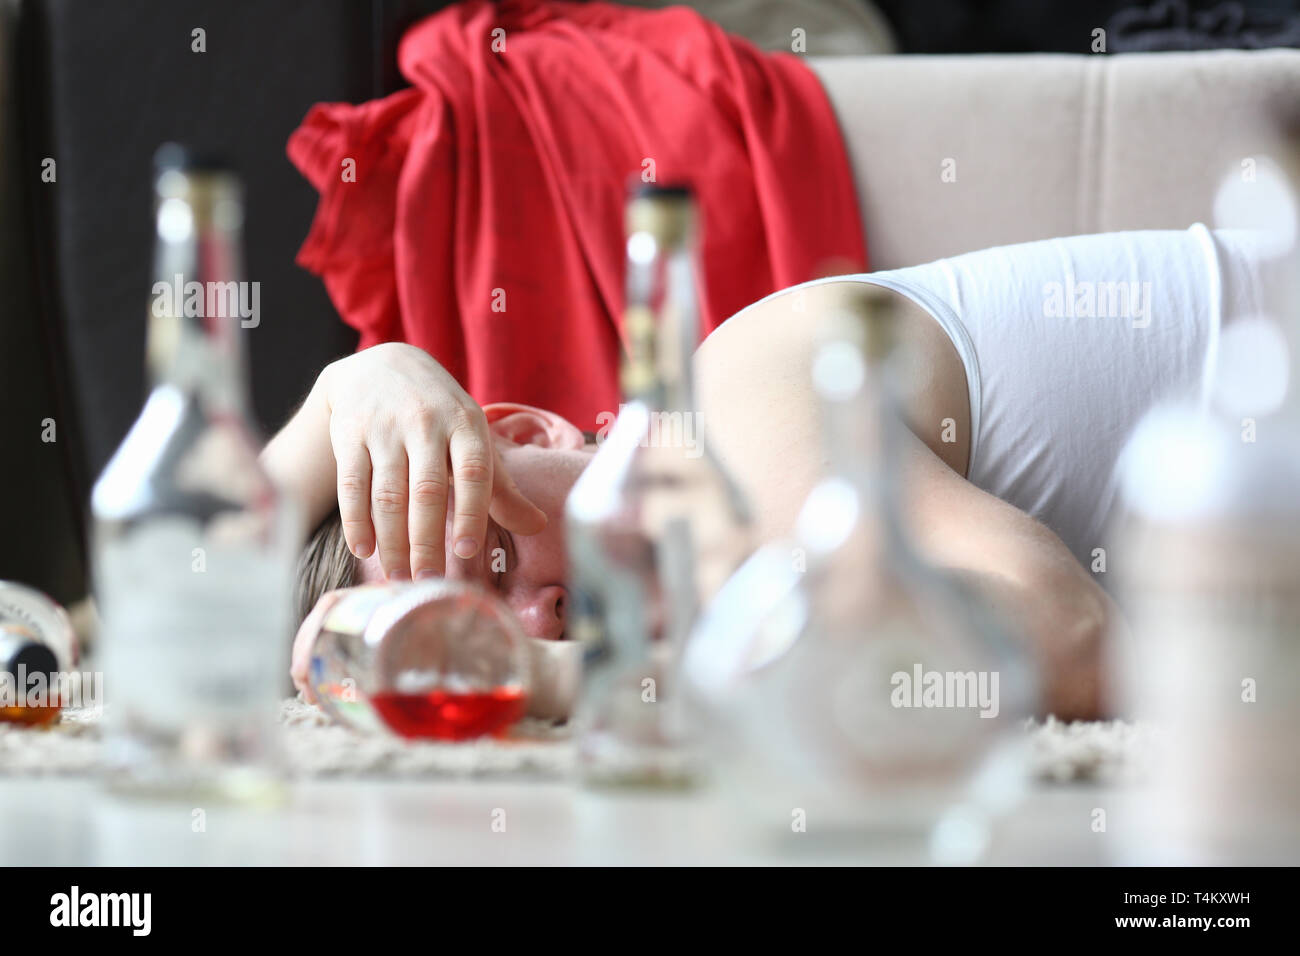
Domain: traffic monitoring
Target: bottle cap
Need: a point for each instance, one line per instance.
(171, 156)
(21, 650)
(194, 191)
(866, 319)
(877, 311)
(666, 212)
(666, 191)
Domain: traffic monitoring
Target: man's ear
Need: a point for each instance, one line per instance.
(527, 425)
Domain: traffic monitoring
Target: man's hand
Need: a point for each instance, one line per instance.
(404, 434)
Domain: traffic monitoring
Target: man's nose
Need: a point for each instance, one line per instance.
(542, 613)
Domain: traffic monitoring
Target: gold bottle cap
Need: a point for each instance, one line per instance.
(877, 309)
(665, 212)
(868, 318)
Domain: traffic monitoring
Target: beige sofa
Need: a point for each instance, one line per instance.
(1047, 146)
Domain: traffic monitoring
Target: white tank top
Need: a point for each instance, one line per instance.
(1068, 342)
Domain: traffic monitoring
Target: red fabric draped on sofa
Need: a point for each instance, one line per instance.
(479, 214)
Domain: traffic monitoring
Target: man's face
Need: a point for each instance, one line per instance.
(528, 572)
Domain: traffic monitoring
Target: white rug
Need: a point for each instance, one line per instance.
(1106, 751)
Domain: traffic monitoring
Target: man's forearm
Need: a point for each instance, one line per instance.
(300, 457)
(1065, 619)
(1025, 572)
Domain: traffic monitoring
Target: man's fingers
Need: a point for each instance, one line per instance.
(471, 468)
(389, 495)
(428, 514)
(510, 508)
(354, 497)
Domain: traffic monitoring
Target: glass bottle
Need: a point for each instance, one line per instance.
(38, 646)
(655, 524)
(194, 548)
(1206, 553)
(431, 659)
(852, 686)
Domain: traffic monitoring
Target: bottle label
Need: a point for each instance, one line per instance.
(196, 625)
(639, 374)
(354, 612)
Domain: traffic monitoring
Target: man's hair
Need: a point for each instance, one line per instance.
(325, 565)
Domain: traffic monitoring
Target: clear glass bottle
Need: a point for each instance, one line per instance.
(431, 659)
(655, 524)
(847, 680)
(1206, 556)
(194, 548)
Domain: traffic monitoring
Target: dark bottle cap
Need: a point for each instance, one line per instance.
(662, 191)
(32, 656)
(189, 159)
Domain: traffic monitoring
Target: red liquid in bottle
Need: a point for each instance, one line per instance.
(449, 716)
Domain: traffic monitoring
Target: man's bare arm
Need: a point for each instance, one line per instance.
(1024, 571)
(300, 459)
(764, 421)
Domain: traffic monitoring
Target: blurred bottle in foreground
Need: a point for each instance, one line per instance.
(431, 659)
(655, 524)
(194, 548)
(1207, 551)
(867, 695)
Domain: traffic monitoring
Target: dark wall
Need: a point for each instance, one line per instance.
(39, 515)
(120, 78)
(1065, 26)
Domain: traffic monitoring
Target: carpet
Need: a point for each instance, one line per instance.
(1102, 751)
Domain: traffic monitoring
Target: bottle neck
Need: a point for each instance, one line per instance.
(199, 303)
(862, 429)
(662, 324)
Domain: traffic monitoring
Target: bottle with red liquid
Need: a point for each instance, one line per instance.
(432, 659)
